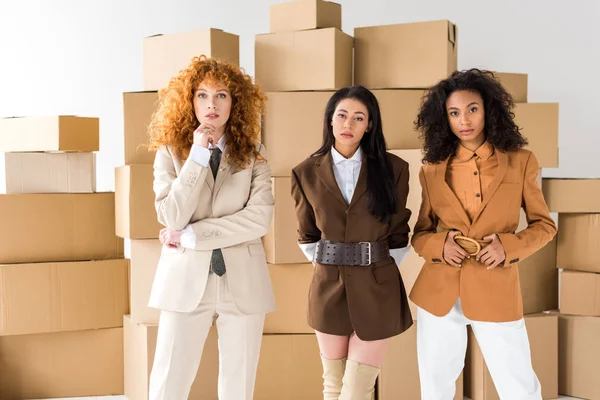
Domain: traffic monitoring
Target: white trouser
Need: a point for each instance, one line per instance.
(181, 338)
(441, 348)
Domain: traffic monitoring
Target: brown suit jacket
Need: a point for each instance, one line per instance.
(486, 295)
(370, 301)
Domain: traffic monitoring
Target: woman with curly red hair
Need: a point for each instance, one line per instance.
(213, 195)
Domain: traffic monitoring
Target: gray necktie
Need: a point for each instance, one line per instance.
(217, 263)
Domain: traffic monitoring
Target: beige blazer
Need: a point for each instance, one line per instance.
(231, 213)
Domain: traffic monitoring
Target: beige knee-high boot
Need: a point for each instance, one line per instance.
(359, 381)
(333, 371)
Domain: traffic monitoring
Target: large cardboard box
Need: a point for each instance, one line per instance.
(414, 55)
(580, 293)
(290, 284)
(144, 254)
(317, 59)
(139, 346)
(542, 330)
(539, 124)
(58, 297)
(579, 356)
(399, 128)
(538, 276)
(60, 133)
(399, 377)
(47, 173)
(289, 368)
(572, 195)
(413, 202)
(515, 84)
(578, 238)
(135, 214)
(301, 15)
(165, 55)
(138, 108)
(65, 364)
(58, 227)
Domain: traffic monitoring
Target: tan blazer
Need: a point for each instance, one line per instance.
(486, 295)
(231, 213)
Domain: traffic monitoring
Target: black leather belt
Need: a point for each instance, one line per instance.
(362, 253)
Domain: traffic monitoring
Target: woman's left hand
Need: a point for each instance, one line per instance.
(170, 237)
(493, 254)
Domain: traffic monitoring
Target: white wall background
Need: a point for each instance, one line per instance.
(79, 56)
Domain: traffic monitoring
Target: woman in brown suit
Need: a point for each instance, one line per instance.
(352, 219)
(476, 178)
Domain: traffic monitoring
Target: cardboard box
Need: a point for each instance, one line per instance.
(572, 195)
(318, 59)
(139, 347)
(290, 284)
(47, 173)
(538, 277)
(515, 84)
(65, 364)
(165, 55)
(539, 124)
(580, 293)
(415, 55)
(138, 108)
(542, 330)
(399, 128)
(281, 242)
(413, 202)
(58, 227)
(135, 214)
(578, 238)
(304, 14)
(144, 254)
(289, 368)
(58, 297)
(399, 377)
(579, 356)
(60, 133)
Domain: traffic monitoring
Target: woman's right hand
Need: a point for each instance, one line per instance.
(203, 135)
(453, 253)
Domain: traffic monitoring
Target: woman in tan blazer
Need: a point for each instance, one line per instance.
(213, 195)
(351, 206)
(475, 179)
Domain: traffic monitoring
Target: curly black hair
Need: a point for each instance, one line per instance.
(432, 121)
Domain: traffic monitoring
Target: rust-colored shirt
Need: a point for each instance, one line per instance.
(469, 175)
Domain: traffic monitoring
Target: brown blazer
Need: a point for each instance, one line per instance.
(370, 301)
(486, 295)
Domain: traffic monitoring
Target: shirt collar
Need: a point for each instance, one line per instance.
(220, 144)
(485, 151)
(338, 158)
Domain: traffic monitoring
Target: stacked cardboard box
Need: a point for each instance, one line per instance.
(576, 201)
(63, 280)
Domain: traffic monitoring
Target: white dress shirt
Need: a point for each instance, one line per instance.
(346, 171)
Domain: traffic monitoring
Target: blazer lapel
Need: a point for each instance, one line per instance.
(500, 172)
(223, 173)
(361, 183)
(325, 174)
(449, 194)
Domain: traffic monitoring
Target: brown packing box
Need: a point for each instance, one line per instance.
(318, 59)
(572, 195)
(165, 55)
(281, 241)
(289, 368)
(399, 377)
(515, 84)
(47, 173)
(578, 238)
(290, 284)
(135, 215)
(57, 297)
(539, 124)
(579, 356)
(61, 133)
(412, 55)
(580, 293)
(413, 202)
(139, 346)
(58, 227)
(304, 14)
(65, 364)
(144, 254)
(399, 109)
(138, 108)
(542, 330)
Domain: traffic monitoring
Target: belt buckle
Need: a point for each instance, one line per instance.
(368, 252)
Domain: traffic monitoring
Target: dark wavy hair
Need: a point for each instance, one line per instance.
(432, 121)
(380, 175)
